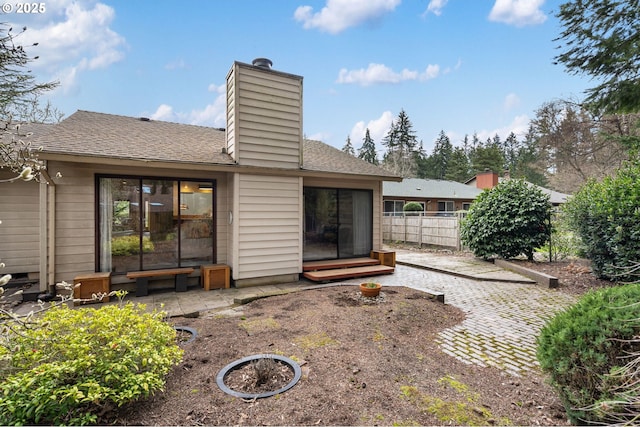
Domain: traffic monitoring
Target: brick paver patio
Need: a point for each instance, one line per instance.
(503, 319)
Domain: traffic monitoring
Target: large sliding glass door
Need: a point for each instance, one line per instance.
(146, 224)
(338, 223)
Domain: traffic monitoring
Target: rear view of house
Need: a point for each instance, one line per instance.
(138, 194)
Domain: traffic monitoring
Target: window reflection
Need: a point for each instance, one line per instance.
(154, 223)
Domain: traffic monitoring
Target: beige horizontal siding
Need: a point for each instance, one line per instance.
(75, 213)
(268, 226)
(20, 228)
(264, 117)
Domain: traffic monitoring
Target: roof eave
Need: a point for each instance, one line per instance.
(202, 166)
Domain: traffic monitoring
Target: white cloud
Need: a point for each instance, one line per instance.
(380, 73)
(436, 6)
(431, 72)
(519, 126)
(511, 101)
(378, 129)
(338, 15)
(213, 115)
(518, 12)
(76, 38)
(164, 112)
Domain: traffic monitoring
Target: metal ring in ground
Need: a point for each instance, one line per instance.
(191, 331)
(297, 373)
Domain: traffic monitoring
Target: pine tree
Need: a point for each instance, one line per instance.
(402, 145)
(348, 147)
(367, 151)
(510, 152)
(486, 157)
(441, 156)
(458, 168)
(600, 39)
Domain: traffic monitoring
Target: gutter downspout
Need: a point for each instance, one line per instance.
(48, 224)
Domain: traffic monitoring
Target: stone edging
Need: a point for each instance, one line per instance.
(541, 278)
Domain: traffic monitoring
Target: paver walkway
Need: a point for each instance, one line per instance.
(503, 318)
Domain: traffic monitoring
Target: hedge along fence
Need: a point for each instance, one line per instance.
(429, 229)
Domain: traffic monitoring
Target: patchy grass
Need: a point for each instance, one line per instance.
(465, 411)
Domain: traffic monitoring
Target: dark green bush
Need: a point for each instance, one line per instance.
(509, 220)
(584, 348)
(606, 215)
(71, 365)
(412, 207)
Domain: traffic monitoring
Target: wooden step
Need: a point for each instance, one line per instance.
(332, 264)
(347, 273)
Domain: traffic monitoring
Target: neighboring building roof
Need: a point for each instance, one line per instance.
(429, 189)
(555, 197)
(100, 135)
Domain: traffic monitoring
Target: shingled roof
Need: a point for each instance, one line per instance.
(99, 135)
(322, 157)
(86, 133)
(430, 188)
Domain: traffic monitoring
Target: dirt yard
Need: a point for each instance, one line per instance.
(363, 363)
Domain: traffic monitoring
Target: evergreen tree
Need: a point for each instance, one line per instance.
(600, 39)
(441, 156)
(486, 157)
(401, 143)
(528, 165)
(367, 151)
(510, 152)
(348, 147)
(458, 168)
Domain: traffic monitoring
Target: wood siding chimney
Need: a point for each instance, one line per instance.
(264, 116)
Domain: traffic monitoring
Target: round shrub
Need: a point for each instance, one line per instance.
(606, 215)
(585, 348)
(509, 220)
(412, 207)
(72, 365)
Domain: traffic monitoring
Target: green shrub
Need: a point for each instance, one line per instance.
(584, 348)
(412, 207)
(76, 364)
(509, 220)
(130, 245)
(606, 215)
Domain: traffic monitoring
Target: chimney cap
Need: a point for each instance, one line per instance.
(264, 63)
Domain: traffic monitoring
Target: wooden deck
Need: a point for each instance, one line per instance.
(338, 269)
(338, 263)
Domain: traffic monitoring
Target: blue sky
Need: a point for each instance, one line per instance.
(461, 66)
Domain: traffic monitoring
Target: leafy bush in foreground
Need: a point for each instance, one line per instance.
(606, 215)
(75, 364)
(509, 220)
(585, 349)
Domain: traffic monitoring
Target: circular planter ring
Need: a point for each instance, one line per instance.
(297, 373)
(191, 331)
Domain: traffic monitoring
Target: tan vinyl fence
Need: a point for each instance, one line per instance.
(430, 228)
